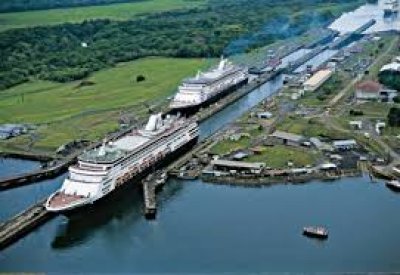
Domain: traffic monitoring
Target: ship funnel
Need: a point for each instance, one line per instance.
(221, 65)
(198, 74)
(155, 121)
(102, 150)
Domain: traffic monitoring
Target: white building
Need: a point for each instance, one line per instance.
(379, 126)
(317, 80)
(356, 124)
(344, 144)
(264, 115)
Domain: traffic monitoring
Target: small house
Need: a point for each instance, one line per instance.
(356, 124)
(328, 167)
(240, 155)
(264, 115)
(379, 126)
(344, 144)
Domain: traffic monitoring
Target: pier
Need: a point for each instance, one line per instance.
(151, 184)
(149, 196)
(23, 223)
(34, 176)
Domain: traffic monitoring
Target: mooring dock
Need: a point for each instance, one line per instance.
(23, 223)
(150, 186)
(149, 195)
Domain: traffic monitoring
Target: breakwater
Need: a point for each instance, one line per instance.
(263, 180)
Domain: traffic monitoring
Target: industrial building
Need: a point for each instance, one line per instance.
(228, 165)
(317, 80)
(286, 138)
(373, 91)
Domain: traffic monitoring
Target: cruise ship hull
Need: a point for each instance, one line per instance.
(192, 109)
(113, 196)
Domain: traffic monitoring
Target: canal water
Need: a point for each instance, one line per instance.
(208, 228)
(14, 201)
(12, 166)
(352, 20)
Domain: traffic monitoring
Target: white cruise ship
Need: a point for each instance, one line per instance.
(100, 171)
(391, 7)
(208, 86)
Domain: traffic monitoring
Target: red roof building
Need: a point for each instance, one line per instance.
(369, 86)
(373, 91)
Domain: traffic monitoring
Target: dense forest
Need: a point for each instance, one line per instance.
(24, 5)
(72, 51)
(390, 79)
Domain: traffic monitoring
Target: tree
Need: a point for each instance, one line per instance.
(356, 112)
(140, 78)
(394, 117)
(390, 79)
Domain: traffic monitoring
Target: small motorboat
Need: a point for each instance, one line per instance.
(315, 232)
(393, 185)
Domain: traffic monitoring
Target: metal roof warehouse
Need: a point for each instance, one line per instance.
(287, 136)
(317, 80)
(238, 164)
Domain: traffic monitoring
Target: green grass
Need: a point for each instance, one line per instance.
(124, 11)
(44, 102)
(308, 128)
(279, 155)
(228, 146)
(65, 111)
(275, 157)
(374, 109)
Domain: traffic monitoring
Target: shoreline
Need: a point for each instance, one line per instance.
(26, 156)
(260, 181)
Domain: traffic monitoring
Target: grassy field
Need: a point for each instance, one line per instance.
(227, 146)
(275, 157)
(67, 111)
(45, 102)
(278, 156)
(308, 128)
(124, 11)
